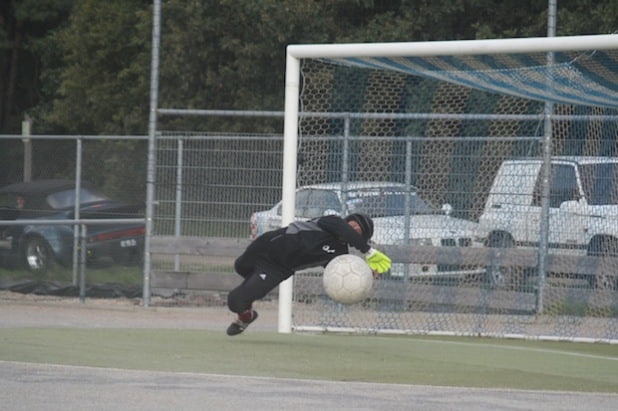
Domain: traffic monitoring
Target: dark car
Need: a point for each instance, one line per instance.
(40, 246)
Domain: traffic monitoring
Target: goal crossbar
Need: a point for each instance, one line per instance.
(459, 47)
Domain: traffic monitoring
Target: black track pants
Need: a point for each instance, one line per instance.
(256, 285)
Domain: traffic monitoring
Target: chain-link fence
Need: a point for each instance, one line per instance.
(524, 242)
(216, 187)
(71, 202)
(457, 277)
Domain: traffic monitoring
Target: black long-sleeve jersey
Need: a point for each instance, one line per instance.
(305, 244)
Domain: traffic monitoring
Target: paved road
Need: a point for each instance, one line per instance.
(51, 387)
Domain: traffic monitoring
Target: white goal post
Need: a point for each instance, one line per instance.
(297, 53)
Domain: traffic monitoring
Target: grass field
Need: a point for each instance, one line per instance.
(463, 362)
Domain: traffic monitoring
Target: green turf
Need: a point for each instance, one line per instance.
(472, 362)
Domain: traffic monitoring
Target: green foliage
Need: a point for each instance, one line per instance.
(118, 167)
(83, 67)
(210, 46)
(587, 17)
(24, 24)
(230, 54)
(98, 83)
(102, 86)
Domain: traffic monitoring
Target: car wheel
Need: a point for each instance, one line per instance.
(603, 247)
(604, 282)
(38, 255)
(130, 258)
(499, 275)
(496, 276)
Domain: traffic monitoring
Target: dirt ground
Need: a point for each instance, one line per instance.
(30, 310)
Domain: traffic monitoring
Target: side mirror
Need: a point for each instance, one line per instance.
(447, 209)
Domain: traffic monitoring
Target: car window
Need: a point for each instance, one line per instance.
(320, 201)
(302, 197)
(374, 201)
(7, 200)
(600, 183)
(329, 199)
(312, 203)
(392, 204)
(66, 198)
(30, 202)
(563, 185)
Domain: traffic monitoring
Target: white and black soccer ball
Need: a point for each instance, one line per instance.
(347, 279)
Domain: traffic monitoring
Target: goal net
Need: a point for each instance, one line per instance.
(415, 134)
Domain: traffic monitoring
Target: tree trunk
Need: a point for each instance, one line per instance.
(13, 72)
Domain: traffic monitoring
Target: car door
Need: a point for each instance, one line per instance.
(511, 206)
(564, 226)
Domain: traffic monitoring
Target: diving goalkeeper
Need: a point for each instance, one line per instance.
(276, 255)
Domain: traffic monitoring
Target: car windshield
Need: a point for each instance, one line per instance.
(600, 183)
(66, 198)
(388, 203)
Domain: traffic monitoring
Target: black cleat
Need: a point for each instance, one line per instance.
(238, 326)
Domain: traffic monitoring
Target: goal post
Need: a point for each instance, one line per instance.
(290, 146)
(495, 67)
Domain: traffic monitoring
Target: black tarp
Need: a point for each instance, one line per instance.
(109, 290)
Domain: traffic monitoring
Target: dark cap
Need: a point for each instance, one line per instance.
(364, 221)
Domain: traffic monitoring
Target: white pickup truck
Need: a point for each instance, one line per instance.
(583, 209)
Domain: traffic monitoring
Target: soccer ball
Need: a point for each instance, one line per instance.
(347, 279)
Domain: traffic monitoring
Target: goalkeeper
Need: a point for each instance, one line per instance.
(276, 255)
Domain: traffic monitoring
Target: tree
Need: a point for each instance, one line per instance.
(83, 67)
(102, 60)
(587, 17)
(23, 25)
(230, 54)
(98, 67)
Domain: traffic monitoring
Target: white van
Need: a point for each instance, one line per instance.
(583, 209)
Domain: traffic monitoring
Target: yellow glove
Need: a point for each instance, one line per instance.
(377, 261)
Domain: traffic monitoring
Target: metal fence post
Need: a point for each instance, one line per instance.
(26, 129)
(152, 131)
(178, 213)
(76, 210)
(82, 264)
(548, 111)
